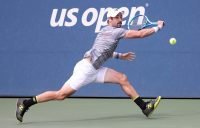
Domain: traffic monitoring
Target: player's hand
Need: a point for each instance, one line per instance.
(160, 24)
(128, 56)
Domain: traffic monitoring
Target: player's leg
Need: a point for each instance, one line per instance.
(83, 74)
(23, 104)
(61, 94)
(112, 76)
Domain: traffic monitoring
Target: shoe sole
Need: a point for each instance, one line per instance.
(157, 102)
(158, 99)
(19, 120)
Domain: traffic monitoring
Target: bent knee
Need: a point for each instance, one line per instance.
(123, 79)
(60, 95)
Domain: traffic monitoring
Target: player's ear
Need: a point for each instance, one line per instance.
(109, 19)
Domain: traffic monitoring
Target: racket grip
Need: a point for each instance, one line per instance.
(163, 23)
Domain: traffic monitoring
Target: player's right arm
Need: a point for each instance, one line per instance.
(139, 34)
(144, 32)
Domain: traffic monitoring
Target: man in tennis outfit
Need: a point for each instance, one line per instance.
(90, 69)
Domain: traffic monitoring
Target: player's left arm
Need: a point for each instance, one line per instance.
(124, 56)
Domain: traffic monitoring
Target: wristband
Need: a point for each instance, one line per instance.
(116, 55)
(156, 29)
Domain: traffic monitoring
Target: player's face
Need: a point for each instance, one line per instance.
(117, 21)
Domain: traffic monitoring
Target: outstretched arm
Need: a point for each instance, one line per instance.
(124, 56)
(144, 32)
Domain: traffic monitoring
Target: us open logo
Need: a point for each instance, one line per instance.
(69, 17)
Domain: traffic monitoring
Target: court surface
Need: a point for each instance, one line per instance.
(102, 113)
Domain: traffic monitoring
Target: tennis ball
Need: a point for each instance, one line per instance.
(172, 41)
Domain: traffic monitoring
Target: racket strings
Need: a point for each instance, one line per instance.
(138, 23)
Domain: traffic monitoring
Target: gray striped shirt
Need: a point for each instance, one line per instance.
(105, 44)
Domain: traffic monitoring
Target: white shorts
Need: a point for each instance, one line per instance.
(84, 73)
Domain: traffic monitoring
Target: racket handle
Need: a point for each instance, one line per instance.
(160, 27)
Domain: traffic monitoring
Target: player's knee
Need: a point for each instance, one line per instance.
(123, 79)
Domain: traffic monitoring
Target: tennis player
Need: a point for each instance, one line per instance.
(90, 68)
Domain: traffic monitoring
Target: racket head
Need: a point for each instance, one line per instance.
(140, 22)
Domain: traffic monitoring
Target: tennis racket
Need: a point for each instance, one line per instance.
(140, 22)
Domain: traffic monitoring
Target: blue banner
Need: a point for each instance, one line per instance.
(41, 41)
